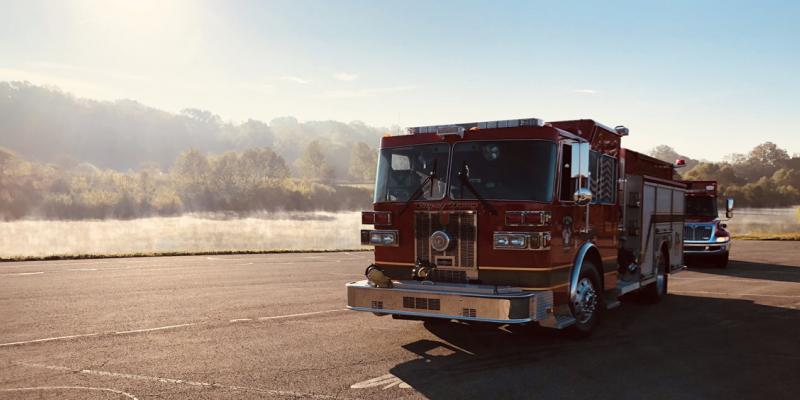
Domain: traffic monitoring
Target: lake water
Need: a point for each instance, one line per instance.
(188, 233)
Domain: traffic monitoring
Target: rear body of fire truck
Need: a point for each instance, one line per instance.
(517, 221)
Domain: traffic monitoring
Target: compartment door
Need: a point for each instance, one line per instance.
(648, 229)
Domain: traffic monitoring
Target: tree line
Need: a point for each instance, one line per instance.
(47, 125)
(256, 179)
(765, 177)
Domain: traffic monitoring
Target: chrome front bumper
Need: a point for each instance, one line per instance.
(703, 248)
(486, 303)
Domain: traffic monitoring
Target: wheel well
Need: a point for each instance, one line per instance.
(594, 256)
(665, 253)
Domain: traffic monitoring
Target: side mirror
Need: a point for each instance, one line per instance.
(579, 168)
(729, 207)
(583, 196)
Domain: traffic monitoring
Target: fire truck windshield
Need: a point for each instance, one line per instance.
(404, 171)
(701, 206)
(505, 170)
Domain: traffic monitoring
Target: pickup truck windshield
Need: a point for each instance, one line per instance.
(404, 170)
(504, 170)
(701, 206)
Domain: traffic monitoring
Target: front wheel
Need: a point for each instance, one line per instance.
(587, 303)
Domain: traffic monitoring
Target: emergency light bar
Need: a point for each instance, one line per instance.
(458, 129)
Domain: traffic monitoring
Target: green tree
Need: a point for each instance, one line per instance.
(768, 154)
(313, 165)
(192, 174)
(363, 162)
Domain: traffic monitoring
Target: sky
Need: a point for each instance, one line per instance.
(707, 78)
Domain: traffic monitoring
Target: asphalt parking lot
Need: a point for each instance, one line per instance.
(273, 326)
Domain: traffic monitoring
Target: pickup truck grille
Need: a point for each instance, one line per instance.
(461, 226)
(697, 232)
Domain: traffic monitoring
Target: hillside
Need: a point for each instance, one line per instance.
(47, 125)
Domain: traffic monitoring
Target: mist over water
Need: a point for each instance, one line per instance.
(257, 232)
(764, 220)
(187, 233)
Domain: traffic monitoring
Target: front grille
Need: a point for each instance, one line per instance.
(697, 232)
(460, 226)
(443, 275)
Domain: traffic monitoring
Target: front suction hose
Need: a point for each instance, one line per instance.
(376, 277)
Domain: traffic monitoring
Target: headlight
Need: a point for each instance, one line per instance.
(379, 238)
(723, 239)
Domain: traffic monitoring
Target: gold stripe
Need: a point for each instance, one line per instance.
(610, 272)
(609, 258)
(394, 263)
(545, 288)
(525, 269)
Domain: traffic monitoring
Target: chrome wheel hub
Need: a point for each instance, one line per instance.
(585, 302)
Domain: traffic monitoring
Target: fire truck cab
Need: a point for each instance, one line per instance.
(705, 237)
(517, 221)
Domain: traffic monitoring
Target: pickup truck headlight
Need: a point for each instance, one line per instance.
(380, 238)
(723, 239)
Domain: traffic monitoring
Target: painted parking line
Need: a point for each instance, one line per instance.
(24, 273)
(173, 381)
(160, 328)
(82, 388)
(167, 327)
(782, 296)
(48, 339)
(301, 314)
(386, 381)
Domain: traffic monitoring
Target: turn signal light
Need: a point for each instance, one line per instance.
(376, 217)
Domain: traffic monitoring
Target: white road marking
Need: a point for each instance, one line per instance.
(96, 389)
(301, 314)
(787, 296)
(160, 328)
(271, 392)
(48, 339)
(83, 269)
(387, 381)
(732, 279)
(25, 273)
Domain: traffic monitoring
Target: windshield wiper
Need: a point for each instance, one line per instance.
(421, 189)
(463, 179)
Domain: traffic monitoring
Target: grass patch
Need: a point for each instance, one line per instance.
(768, 236)
(165, 254)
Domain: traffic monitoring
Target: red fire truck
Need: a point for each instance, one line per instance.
(518, 221)
(705, 237)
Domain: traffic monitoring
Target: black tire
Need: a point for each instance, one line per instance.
(588, 298)
(722, 261)
(654, 292)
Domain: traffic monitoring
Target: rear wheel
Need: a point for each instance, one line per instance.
(655, 291)
(587, 303)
